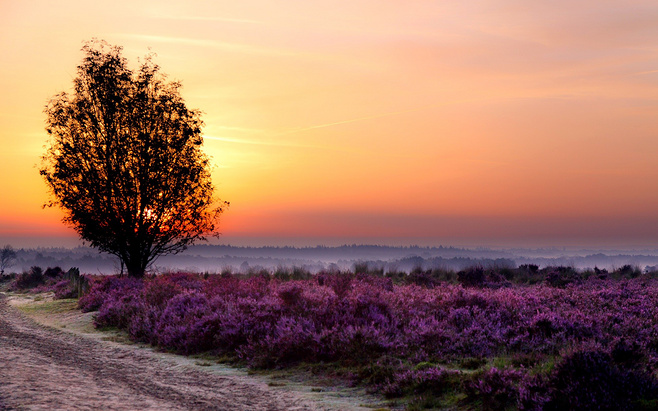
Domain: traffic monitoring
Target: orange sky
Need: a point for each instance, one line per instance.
(459, 123)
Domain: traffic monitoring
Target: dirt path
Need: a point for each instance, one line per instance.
(44, 368)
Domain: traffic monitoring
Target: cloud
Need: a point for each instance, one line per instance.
(215, 44)
(207, 18)
(642, 73)
(353, 120)
(269, 143)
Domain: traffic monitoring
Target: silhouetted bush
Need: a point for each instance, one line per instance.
(53, 272)
(561, 276)
(530, 268)
(627, 271)
(493, 389)
(290, 294)
(30, 279)
(591, 380)
(422, 278)
(282, 273)
(296, 273)
(360, 267)
(628, 354)
(472, 277)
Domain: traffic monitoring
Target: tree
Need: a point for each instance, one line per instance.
(124, 161)
(7, 258)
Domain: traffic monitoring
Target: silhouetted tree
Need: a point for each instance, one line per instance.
(125, 161)
(7, 258)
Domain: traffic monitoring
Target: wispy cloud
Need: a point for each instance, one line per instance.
(364, 118)
(234, 47)
(237, 140)
(268, 143)
(204, 18)
(239, 129)
(641, 73)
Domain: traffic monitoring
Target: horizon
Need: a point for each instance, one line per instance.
(73, 242)
(488, 124)
(244, 259)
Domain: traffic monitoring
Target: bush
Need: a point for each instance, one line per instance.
(30, 279)
(105, 290)
(628, 271)
(472, 277)
(561, 276)
(290, 294)
(422, 278)
(340, 283)
(494, 389)
(185, 325)
(53, 272)
(63, 289)
(432, 380)
(590, 379)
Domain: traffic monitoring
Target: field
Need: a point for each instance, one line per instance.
(523, 338)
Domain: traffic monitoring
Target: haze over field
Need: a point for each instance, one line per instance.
(494, 123)
(245, 260)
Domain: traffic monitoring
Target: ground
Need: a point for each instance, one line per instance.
(60, 362)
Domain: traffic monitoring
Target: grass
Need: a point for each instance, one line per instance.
(42, 306)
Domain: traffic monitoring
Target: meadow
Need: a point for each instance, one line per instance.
(508, 338)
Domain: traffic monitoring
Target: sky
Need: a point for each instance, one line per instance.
(470, 123)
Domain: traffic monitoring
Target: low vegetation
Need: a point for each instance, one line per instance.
(36, 280)
(524, 338)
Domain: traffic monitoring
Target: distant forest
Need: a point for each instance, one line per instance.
(216, 258)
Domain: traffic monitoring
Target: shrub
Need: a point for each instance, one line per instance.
(628, 354)
(472, 277)
(561, 276)
(340, 283)
(590, 379)
(381, 373)
(494, 388)
(106, 289)
(290, 294)
(432, 380)
(63, 289)
(53, 272)
(422, 278)
(30, 279)
(160, 290)
(530, 268)
(628, 271)
(186, 324)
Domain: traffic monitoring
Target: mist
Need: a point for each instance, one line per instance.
(243, 259)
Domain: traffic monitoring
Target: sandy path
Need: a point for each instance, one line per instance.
(43, 368)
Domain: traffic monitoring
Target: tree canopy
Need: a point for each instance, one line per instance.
(124, 160)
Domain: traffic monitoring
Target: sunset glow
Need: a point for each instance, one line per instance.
(492, 122)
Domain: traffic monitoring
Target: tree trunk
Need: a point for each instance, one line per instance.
(135, 269)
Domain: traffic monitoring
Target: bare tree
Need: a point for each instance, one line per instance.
(125, 161)
(7, 258)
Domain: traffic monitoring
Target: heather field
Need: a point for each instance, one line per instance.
(467, 340)
(524, 338)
